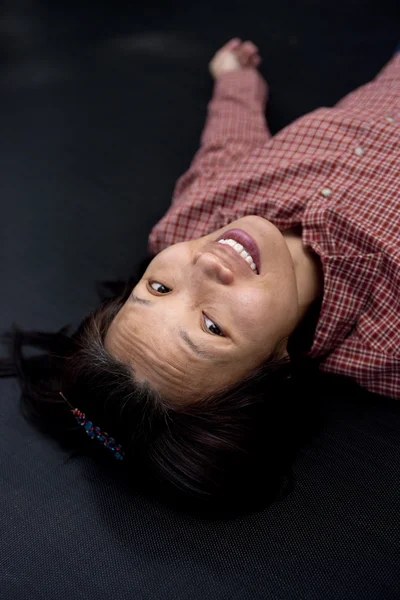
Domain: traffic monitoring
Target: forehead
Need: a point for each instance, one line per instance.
(148, 341)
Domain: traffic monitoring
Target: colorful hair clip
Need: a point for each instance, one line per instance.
(94, 432)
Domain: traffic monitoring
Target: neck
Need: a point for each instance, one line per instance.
(308, 271)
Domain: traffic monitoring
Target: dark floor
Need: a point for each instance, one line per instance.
(101, 109)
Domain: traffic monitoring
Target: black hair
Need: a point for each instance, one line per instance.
(229, 452)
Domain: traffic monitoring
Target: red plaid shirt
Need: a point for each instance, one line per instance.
(336, 172)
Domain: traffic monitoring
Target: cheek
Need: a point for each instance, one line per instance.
(170, 259)
(250, 310)
(263, 315)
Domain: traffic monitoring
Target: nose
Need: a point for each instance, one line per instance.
(211, 267)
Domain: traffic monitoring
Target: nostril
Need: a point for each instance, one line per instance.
(196, 256)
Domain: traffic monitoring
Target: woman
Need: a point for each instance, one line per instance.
(277, 256)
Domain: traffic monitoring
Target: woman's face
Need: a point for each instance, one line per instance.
(201, 318)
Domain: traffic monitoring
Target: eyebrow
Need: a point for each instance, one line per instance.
(138, 300)
(199, 350)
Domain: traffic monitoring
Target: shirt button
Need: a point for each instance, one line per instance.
(389, 119)
(359, 151)
(326, 192)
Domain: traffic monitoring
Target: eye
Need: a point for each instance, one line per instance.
(212, 327)
(159, 287)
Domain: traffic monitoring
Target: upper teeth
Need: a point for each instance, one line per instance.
(241, 251)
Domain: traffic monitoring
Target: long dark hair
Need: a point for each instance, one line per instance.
(230, 452)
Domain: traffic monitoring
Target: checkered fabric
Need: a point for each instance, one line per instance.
(335, 172)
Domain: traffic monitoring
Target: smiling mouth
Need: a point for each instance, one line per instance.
(244, 245)
(241, 251)
(230, 257)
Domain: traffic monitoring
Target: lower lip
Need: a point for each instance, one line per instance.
(242, 237)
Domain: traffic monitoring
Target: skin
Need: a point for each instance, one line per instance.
(201, 287)
(234, 55)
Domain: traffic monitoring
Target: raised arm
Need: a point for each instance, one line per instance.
(235, 122)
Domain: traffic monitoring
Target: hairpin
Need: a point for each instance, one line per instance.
(94, 432)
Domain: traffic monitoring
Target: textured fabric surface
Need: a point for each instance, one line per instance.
(70, 530)
(100, 112)
(335, 172)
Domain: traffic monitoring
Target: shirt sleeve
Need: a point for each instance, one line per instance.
(235, 125)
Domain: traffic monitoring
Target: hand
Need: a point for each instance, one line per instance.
(233, 56)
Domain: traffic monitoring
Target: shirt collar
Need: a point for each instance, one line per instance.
(349, 281)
